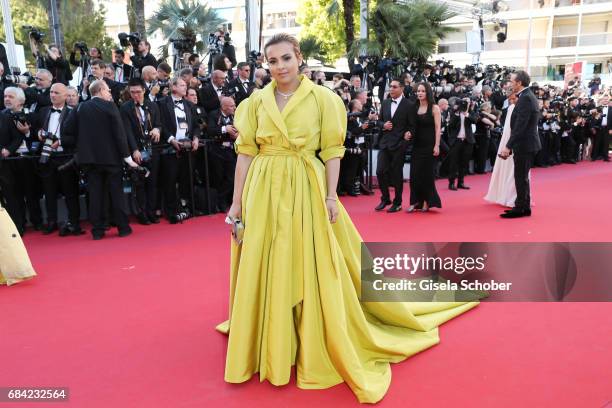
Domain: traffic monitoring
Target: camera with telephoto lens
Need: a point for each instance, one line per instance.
(16, 78)
(252, 57)
(183, 45)
(48, 140)
(34, 33)
(126, 39)
(20, 117)
(461, 105)
(82, 47)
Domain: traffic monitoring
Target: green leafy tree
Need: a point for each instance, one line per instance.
(315, 20)
(184, 19)
(81, 21)
(311, 48)
(406, 30)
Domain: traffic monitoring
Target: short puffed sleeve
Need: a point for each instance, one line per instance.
(333, 125)
(245, 120)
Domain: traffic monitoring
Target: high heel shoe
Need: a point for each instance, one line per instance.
(412, 208)
(425, 209)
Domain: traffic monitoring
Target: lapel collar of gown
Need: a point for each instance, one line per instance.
(306, 86)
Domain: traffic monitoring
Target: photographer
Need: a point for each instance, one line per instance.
(57, 65)
(211, 92)
(97, 73)
(27, 185)
(123, 72)
(351, 165)
(38, 97)
(240, 87)
(83, 61)
(486, 121)
(10, 140)
(142, 124)
(181, 130)
(55, 152)
(142, 56)
(602, 138)
(222, 156)
(222, 63)
(343, 89)
(461, 141)
(152, 87)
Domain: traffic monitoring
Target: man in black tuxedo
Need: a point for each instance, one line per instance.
(210, 93)
(10, 140)
(240, 86)
(602, 139)
(397, 119)
(123, 72)
(181, 130)
(222, 158)
(96, 129)
(524, 142)
(142, 126)
(97, 71)
(51, 123)
(461, 141)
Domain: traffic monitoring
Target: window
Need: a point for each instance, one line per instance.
(280, 20)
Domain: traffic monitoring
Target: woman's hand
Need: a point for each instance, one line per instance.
(235, 211)
(332, 210)
(436, 151)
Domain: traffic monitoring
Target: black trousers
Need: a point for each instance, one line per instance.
(174, 170)
(481, 153)
(602, 145)
(568, 146)
(28, 187)
(459, 158)
(541, 158)
(554, 148)
(222, 166)
(145, 190)
(351, 168)
(389, 171)
(8, 193)
(99, 178)
(522, 164)
(66, 182)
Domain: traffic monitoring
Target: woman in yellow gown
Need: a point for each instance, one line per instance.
(295, 278)
(15, 264)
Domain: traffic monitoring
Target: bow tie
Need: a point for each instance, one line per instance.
(393, 101)
(138, 105)
(178, 102)
(53, 110)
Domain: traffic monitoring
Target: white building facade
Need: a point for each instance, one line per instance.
(562, 31)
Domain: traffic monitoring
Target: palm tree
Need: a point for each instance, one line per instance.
(136, 16)
(410, 29)
(348, 15)
(311, 48)
(184, 20)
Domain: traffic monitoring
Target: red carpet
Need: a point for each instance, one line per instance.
(129, 322)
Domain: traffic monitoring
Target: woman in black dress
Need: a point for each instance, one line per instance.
(426, 147)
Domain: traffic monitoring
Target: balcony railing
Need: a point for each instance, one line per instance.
(585, 40)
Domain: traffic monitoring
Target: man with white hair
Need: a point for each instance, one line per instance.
(10, 140)
(28, 185)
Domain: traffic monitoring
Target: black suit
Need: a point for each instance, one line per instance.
(460, 150)
(40, 97)
(10, 139)
(128, 71)
(208, 98)
(240, 92)
(390, 165)
(525, 143)
(54, 181)
(138, 130)
(96, 129)
(222, 158)
(176, 169)
(602, 139)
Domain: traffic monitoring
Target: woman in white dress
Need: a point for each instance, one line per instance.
(501, 188)
(15, 264)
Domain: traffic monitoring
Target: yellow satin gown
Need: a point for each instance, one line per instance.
(295, 279)
(15, 264)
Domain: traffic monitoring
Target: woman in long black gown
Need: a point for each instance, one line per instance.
(426, 147)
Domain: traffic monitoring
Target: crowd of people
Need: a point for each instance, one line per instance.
(168, 137)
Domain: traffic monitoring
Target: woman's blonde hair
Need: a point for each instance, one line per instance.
(281, 38)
